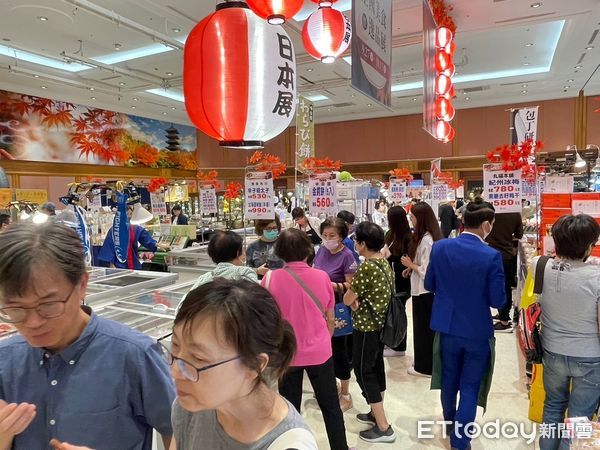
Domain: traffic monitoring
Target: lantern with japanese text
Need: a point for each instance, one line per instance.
(239, 77)
(326, 34)
(275, 11)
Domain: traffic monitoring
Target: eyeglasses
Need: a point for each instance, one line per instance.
(48, 310)
(188, 370)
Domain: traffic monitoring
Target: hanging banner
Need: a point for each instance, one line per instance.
(372, 49)
(435, 170)
(322, 192)
(502, 189)
(557, 184)
(157, 201)
(460, 192)
(258, 196)
(84, 234)
(524, 124)
(208, 200)
(120, 228)
(305, 132)
(439, 194)
(397, 191)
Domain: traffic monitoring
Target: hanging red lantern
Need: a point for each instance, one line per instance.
(442, 60)
(443, 84)
(325, 3)
(450, 136)
(442, 106)
(450, 48)
(275, 12)
(326, 34)
(443, 36)
(450, 94)
(448, 114)
(442, 130)
(240, 91)
(450, 69)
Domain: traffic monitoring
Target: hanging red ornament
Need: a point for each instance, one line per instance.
(443, 84)
(239, 91)
(325, 3)
(450, 48)
(443, 36)
(449, 70)
(450, 94)
(442, 60)
(450, 136)
(275, 12)
(442, 130)
(444, 109)
(326, 34)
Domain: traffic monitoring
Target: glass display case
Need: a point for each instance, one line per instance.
(111, 283)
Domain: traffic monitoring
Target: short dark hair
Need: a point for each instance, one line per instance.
(573, 235)
(261, 224)
(477, 213)
(249, 320)
(293, 245)
(341, 227)
(225, 246)
(176, 208)
(297, 213)
(4, 219)
(347, 217)
(371, 235)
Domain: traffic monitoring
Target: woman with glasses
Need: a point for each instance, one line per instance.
(229, 344)
(260, 254)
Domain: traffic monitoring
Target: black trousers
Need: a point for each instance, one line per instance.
(342, 356)
(369, 369)
(510, 269)
(322, 379)
(422, 334)
(402, 346)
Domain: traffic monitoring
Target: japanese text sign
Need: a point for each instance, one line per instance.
(258, 196)
(502, 189)
(208, 200)
(157, 201)
(397, 191)
(322, 192)
(305, 131)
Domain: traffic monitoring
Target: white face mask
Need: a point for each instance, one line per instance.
(489, 230)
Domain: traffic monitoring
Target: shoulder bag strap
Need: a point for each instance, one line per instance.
(368, 303)
(307, 290)
(540, 269)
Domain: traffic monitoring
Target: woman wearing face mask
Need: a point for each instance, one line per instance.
(229, 343)
(261, 253)
(338, 261)
(427, 231)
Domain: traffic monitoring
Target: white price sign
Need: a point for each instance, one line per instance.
(557, 184)
(95, 204)
(157, 200)
(502, 189)
(439, 194)
(258, 196)
(208, 200)
(397, 191)
(323, 195)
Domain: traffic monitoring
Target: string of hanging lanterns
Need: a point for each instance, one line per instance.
(445, 69)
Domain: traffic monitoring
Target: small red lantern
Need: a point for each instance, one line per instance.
(443, 84)
(442, 107)
(443, 36)
(450, 94)
(326, 34)
(442, 130)
(275, 12)
(450, 136)
(449, 71)
(442, 60)
(450, 48)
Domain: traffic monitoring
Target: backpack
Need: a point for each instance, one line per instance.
(530, 324)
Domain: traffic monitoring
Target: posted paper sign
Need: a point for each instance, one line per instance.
(95, 203)
(323, 195)
(556, 184)
(157, 200)
(208, 200)
(589, 207)
(439, 194)
(502, 189)
(397, 191)
(529, 190)
(259, 194)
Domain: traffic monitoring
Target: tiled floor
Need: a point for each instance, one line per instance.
(408, 399)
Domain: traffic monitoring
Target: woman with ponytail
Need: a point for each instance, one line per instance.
(229, 344)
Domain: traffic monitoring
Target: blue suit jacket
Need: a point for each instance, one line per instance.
(467, 278)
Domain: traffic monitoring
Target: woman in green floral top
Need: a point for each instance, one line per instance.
(369, 297)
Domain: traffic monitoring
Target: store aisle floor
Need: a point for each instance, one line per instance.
(408, 400)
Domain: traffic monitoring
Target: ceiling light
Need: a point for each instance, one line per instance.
(570, 80)
(309, 69)
(173, 95)
(579, 161)
(353, 95)
(566, 87)
(91, 89)
(43, 87)
(122, 83)
(369, 105)
(164, 113)
(316, 97)
(169, 74)
(529, 44)
(11, 52)
(589, 47)
(133, 107)
(118, 46)
(93, 98)
(135, 99)
(524, 85)
(328, 109)
(536, 4)
(578, 66)
(525, 63)
(176, 30)
(173, 108)
(43, 18)
(36, 76)
(149, 50)
(523, 92)
(467, 98)
(415, 99)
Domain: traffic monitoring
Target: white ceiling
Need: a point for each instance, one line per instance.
(491, 54)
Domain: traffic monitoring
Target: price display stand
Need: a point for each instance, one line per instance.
(259, 203)
(322, 192)
(398, 191)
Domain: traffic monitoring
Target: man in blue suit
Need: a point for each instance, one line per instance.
(461, 314)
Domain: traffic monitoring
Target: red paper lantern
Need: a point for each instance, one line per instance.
(275, 12)
(450, 48)
(450, 136)
(443, 36)
(449, 71)
(450, 94)
(444, 109)
(442, 60)
(443, 84)
(442, 130)
(239, 77)
(326, 34)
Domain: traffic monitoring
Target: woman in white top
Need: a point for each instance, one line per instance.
(427, 231)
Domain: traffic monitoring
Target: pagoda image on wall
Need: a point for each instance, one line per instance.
(172, 139)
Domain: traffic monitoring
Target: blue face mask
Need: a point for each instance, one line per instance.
(270, 235)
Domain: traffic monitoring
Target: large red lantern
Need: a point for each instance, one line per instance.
(443, 84)
(450, 94)
(326, 34)
(443, 37)
(449, 71)
(450, 136)
(443, 107)
(442, 60)
(450, 48)
(442, 130)
(275, 12)
(239, 77)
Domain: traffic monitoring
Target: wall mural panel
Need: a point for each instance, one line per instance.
(40, 129)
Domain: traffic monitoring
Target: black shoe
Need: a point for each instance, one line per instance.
(367, 418)
(376, 435)
(499, 327)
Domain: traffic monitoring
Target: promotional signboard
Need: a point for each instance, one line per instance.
(322, 192)
(502, 189)
(208, 200)
(259, 196)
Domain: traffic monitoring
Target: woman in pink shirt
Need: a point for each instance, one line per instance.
(305, 297)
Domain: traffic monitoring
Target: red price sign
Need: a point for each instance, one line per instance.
(323, 202)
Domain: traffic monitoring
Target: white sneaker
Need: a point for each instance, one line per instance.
(411, 371)
(390, 352)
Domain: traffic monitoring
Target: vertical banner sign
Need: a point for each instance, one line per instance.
(120, 228)
(157, 201)
(439, 194)
(502, 189)
(435, 170)
(208, 200)
(305, 131)
(372, 49)
(84, 234)
(397, 191)
(429, 72)
(323, 194)
(259, 194)
(524, 124)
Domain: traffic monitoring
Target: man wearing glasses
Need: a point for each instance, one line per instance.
(71, 375)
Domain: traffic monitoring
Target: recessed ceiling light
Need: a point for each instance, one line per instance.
(36, 76)
(579, 66)
(43, 87)
(164, 113)
(135, 99)
(523, 85)
(570, 80)
(117, 46)
(328, 109)
(415, 99)
(173, 108)
(43, 18)
(93, 98)
(529, 44)
(566, 87)
(467, 98)
(589, 47)
(169, 74)
(176, 30)
(525, 63)
(369, 105)
(353, 95)
(536, 4)
(122, 83)
(523, 92)
(133, 107)
(91, 89)
(309, 69)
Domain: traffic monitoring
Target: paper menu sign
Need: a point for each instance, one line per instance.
(208, 200)
(439, 194)
(397, 191)
(559, 184)
(502, 188)
(157, 201)
(589, 207)
(258, 196)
